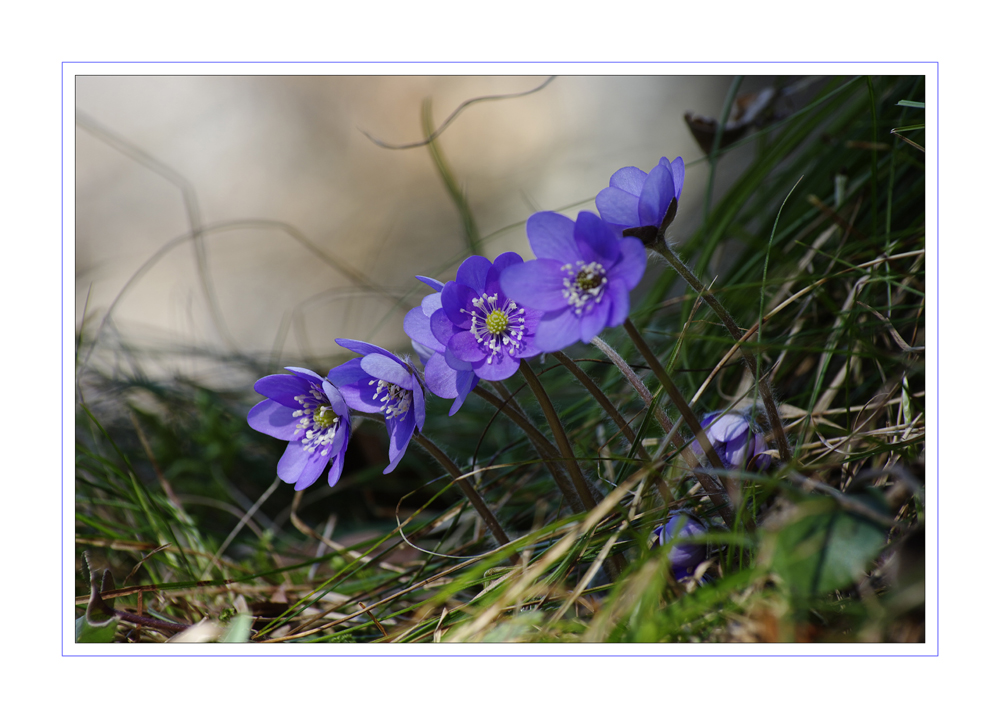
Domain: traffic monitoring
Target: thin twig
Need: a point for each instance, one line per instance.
(339, 548)
(239, 526)
(451, 118)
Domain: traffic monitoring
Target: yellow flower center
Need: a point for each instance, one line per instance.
(324, 417)
(496, 321)
(588, 279)
(583, 285)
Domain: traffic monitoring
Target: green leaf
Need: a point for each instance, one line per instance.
(826, 549)
(87, 632)
(907, 405)
(910, 103)
(99, 623)
(238, 630)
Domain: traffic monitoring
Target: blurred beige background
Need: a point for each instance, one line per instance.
(290, 150)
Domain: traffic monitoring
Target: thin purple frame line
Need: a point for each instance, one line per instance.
(493, 62)
(504, 655)
(341, 62)
(937, 130)
(62, 349)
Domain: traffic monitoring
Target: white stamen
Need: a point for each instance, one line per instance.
(584, 285)
(396, 401)
(317, 427)
(496, 325)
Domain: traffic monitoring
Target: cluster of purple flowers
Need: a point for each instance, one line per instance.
(313, 414)
(481, 325)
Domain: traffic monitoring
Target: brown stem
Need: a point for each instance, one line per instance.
(674, 393)
(547, 449)
(560, 435)
(604, 401)
(689, 417)
(615, 415)
(149, 622)
(616, 564)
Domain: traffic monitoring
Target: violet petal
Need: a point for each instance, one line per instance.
(551, 237)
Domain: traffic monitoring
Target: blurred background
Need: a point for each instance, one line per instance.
(310, 230)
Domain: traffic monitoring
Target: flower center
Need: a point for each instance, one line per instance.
(496, 326)
(496, 322)
(323, 417)
(317, 419)
(396, 400)
(583, 285)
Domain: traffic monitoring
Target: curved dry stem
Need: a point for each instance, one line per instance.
(451, 118)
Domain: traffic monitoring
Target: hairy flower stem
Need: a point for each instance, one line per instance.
(470, 493)
(615, 415)
(616, 564)
(548, 453)
(715, 491)
(661, 247)
(551, 456)
(546, 449)
(692, 421)
(674, 393)
(562, 441)
(604, 401)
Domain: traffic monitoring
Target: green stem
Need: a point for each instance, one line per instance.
(448, 177)
(720, 130)
(873, 104)
(470, 493)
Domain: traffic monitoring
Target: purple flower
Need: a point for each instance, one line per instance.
(382, 383)
(581, 278)
(480, 327)
(735, 442)
(683, 557)
(309, 413)
(636, 199)
(440, 377)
